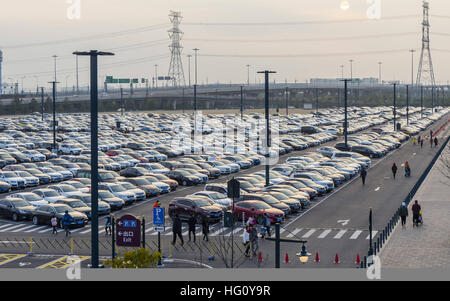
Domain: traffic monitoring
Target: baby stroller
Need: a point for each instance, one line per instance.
(419, 220)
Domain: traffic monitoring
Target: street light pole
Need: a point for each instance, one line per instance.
(395, 112)
(76, 60)
(54, 57)
(248, 75)
(345, 111)
(42, 103)
(351, 69)
(94, 152)
(195, 50)
(412, 66)
(342, 71)
(266, 96)
(54, 150)
(370, 233)
(421, 101)
(407, 104)
(242, 102)
(189, 68)
(156, 75)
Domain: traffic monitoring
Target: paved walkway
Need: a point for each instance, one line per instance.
(429, 245)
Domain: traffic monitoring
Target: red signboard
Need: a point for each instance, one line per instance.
(128, 231)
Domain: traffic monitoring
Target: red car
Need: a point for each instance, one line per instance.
(256, 209)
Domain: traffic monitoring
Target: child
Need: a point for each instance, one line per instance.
(54, 222)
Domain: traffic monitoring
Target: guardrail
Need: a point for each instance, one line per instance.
(381, 240)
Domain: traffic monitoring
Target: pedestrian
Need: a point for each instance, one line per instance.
(267, 223)
(363, 175)
(108, 223)
(414, 140)
(54, 222)
(67, 220)
(394, 169)
(418, 140)
(421, 143)
(254, 239)
(191, 224)
(251, 221)
(246, 241)
(157, 204)
(205, 228)
(416, 212)
(435, 141)
(403, 214)
(176, 229)
(407, 169)
(431, 142)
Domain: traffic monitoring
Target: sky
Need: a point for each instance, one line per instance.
(298, 39)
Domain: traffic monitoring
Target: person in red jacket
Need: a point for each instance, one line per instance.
(157, 204)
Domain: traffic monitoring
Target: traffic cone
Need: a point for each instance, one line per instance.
(336, 259)
(358, 261)
(317, 257)
(260, 257)
(286, 258)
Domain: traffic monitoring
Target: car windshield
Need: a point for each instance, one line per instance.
(105, 194)
(51, 193)
(279, 196)
(216, 195)
(128, 186)
(269, 199)
(246, 185)
(23, 174)
(157, 166)
(77, 185)
(260, 205)
(32, 197)
(117, 188)
(9, 175)
(62, 209)
(67, 188)
(77, 204)
(145, 181)
(201, 202)
(20, 203)
(106, 176)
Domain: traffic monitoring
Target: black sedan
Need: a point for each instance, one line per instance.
(16, 209)
(44, 214)
(184, 177)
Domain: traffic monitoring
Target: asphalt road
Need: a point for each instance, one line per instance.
(335, 224)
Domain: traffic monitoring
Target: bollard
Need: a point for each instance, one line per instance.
(362, 264)
(71, 247)
(365, 262)
(374, 248)
(31, 247)
(378, 244)
(382, 235)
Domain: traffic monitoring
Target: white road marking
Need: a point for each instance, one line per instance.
(343, 222)
(294, 232)
(6, 225)
(35, 229)
(414, 154)
(218, 232)
(309, 233)
(373, 234)
(356, 234)
(24, 228)
(235, 231)
(340, 234)
(324, 233)
(10, 228)
(378, 188)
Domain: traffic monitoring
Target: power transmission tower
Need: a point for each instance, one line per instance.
(425, 75)
(176, 66)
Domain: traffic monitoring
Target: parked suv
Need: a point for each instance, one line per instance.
(200, 207)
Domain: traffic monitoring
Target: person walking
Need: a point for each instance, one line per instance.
(246, 241)
(67, 220)
(108, 221)
(205, 228)
(254, 239)
(416, 212)
(394, 170)
(54, 222)
(403, 214)
(418, 140)
(414, 140)
(431, 142)
(157, 204)
(435, 141)
(407, 169)
(191, 224)
(363, 175)
(267, 224)
(176, 229)
(421, 143)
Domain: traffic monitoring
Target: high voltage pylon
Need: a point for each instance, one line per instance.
(176, 66)
(425, 74)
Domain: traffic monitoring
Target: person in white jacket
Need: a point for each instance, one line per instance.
(246, 241)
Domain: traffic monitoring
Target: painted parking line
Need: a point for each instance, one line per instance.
(373, 234)
(378, 188)
(62, 263)
(356, 234)
(324, 233)
(340, 234)
(309, 233)
(294, 232)
(6, 258)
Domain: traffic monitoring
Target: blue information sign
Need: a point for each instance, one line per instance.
(158, 216)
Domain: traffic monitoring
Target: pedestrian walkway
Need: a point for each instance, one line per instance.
(427, 246)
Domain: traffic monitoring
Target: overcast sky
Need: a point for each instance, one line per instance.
(319, 52)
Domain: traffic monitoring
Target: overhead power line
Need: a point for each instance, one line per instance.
(390, 18)
(88, 38)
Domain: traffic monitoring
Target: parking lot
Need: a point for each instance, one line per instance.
(177, 159)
